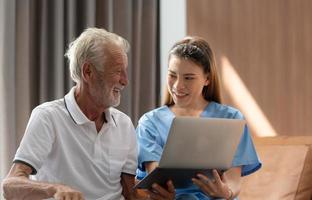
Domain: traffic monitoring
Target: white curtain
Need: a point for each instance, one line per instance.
(8, 99)
(34, 35)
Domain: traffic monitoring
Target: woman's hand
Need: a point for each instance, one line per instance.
(216, 187)
(160, 193)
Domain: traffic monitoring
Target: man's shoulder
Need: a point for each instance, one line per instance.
(50, 106)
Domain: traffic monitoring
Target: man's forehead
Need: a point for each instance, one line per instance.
(116, 56)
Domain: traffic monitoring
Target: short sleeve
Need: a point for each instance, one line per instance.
(148, 138)
(246, 155)
(37, 141)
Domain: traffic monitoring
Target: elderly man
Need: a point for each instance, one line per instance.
(80, 147)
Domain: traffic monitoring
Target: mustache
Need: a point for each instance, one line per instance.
(119, 88)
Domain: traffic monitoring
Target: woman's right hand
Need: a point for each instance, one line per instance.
(160, 193)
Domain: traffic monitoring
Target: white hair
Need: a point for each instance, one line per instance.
(92, 46)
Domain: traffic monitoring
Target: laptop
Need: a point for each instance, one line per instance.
(195, 145)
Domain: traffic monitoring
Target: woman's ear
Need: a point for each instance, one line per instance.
(207, 82)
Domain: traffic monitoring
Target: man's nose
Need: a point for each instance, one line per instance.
(124, 78)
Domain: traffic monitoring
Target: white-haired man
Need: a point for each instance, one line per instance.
(80, 147)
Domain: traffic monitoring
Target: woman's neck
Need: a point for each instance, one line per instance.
(189, 111)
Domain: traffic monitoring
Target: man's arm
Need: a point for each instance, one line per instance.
(127, 183)
(17, 185)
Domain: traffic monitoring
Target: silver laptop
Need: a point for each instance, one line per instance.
(195, 145)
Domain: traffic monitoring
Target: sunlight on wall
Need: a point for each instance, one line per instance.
(241, 97)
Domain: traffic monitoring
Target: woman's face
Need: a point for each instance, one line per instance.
(185, 82)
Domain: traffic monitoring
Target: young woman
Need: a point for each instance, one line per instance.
(193, 90)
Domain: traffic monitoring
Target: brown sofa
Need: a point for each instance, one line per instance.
(286, 172)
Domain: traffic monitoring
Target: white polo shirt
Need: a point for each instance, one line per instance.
(63, 146)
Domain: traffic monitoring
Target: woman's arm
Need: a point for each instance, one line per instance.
(233, 179)
(226, 186)
(150, 166)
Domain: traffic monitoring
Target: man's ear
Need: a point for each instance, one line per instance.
(86, 71)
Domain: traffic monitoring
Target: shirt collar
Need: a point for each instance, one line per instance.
(78, 116)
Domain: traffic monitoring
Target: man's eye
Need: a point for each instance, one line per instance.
(172, 76)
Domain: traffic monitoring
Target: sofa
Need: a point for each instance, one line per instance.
(286, 172)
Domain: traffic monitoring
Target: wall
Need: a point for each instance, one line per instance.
(172, 29)
(263, 49)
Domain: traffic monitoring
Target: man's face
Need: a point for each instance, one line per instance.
(109, 82)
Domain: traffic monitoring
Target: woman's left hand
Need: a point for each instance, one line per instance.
(216, 187)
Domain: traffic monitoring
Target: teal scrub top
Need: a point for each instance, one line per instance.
(152, 132)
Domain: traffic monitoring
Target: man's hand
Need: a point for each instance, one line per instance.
(64, 192)
(160, 193)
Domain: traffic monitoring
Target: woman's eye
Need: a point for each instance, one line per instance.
(189, 78)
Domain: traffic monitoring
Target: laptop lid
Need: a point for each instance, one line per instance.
(201, 143)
